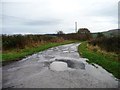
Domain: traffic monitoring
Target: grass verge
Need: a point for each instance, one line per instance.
(14, 55)
(99, 58)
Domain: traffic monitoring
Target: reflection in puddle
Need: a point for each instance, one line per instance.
(58, 66)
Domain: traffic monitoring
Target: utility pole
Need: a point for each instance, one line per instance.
(75, 27)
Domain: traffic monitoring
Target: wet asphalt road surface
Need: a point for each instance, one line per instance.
(45, 70)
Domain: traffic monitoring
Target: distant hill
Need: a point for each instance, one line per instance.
(109, 33)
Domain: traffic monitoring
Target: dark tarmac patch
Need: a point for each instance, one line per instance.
(47, 63)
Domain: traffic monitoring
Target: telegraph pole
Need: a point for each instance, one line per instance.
(75, 27)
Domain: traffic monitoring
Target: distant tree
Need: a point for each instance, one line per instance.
(100, 35)
(85, 33)
(60, 32)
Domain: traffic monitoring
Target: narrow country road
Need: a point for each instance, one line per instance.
(58, 67)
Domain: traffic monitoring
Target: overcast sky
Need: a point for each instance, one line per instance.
(50, 16)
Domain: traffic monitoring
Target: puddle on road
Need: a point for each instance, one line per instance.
(73, 63)
(58, 66)
(65, 51)
(64, 64)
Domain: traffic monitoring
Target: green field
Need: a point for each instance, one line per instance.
(13, 55)
(107, 61)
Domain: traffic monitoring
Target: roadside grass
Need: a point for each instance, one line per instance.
(14, 55)
(107, 61)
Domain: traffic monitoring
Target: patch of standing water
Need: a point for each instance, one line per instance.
(58, 66)
(65, 64)
(73, 63)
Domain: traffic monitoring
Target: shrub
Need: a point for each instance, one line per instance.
(21, 41)
(110, 44)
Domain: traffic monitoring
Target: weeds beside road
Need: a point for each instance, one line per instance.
(107, 61)
(14, 55)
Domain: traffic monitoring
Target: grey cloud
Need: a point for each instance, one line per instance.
(44, 22)
(12, 20)
(105, 9)
(8, 20)
(8, 17)
(20, 30)
(48, 16)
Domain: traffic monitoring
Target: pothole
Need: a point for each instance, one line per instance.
(58, 66)
(64, 64)
(73, 63)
